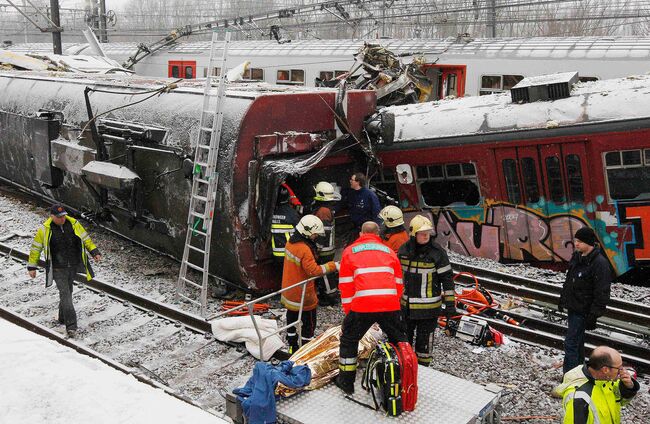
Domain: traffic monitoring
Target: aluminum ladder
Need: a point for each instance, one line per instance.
(204, 186)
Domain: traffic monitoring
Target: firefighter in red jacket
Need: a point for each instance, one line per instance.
(299, 265)
(370, 282)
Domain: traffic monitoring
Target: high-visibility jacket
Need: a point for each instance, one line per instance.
(326, 248)
(426, 268)
(299, 265)
(283, 223)
(370, 278)
(41, 243)
(395, 239)
(590, 401)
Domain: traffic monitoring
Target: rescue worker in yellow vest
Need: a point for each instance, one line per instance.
(283, 222)
(594, 393)
(393, 233)
(324, 201)
(64, 242)
(299, 265)
(427, 285)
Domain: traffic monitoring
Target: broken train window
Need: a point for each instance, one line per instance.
(452, 184)
(385, 180)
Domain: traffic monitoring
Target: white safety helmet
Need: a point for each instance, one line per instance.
(310, 225)
(325, 192)
(420, 223)
(392, 216)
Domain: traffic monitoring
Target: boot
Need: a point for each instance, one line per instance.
(344, 384)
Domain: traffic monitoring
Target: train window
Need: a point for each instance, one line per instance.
(451, 85)
(293, 76)
(339, 73)
(326, 75)
(254, 74)
(621, 167)
(632, 158)
(385, 181)
(512, 182)
(189, 72)
(454, 170)
(587, 79)
(613, 159)
(215, 72)
(554, 176)
(510, 81)
(175, 71)
(574, 174)
(435, 171)
(498, 83)
(529, 172)
(443, 185)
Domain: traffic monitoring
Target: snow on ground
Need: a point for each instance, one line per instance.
(527, 373)
(43, 381)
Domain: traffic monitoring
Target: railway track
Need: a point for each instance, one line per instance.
(501, 282)
(155, 342)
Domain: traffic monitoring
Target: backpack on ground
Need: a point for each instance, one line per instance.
(408, 362)
(382, 377)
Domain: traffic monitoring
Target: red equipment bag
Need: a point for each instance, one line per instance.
(408, 362)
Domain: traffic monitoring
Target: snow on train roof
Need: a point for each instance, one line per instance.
(239, 89)
(538, 47)
(590, 102)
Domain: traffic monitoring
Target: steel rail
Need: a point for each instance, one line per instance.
(619, 309)
(631, 350)
(530, 335)
(188, 320)
(53, 335)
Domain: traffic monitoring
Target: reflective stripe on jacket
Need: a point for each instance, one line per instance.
(284, 220)
(41, 243)
(326, 247)
(427, 279)
(370, 278)
(299, 265)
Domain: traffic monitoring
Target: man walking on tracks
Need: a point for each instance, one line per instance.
(64, 241)
(594, 393)
(585, 294)
(370, 282)
(428, 283)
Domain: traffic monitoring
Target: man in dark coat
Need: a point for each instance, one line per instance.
(585, 294)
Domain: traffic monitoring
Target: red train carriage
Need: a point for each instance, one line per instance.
(513, 182)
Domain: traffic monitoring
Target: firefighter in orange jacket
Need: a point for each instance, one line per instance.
(370, 282)
(393, 232)
(299, 265)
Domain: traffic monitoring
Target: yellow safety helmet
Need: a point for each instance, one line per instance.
(392, 216)
(310, 225)
(325, 192)
(420, 223)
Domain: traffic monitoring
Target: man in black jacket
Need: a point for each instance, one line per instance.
(584, 295)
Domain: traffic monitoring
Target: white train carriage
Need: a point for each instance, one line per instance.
(464, 66)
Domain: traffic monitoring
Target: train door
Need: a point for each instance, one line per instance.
(447, 80)
(182, 69)
(548, 179)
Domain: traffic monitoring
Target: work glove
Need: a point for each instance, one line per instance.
(338, 266)
(450, 310)
(590, 322)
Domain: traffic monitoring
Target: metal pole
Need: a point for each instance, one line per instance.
(56, 23)
(492, 19)
(103, 35)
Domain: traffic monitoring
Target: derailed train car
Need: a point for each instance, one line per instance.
(120, 149)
